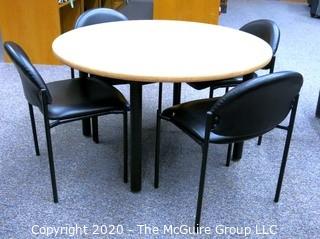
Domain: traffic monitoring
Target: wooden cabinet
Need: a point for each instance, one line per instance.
(112, 3)
(35, 24)
(206, 11)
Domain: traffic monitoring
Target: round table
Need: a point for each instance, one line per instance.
(159, 51)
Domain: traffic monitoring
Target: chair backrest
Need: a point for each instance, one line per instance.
(266, 30)
(32, 81)
(99, 15)
(256, 106)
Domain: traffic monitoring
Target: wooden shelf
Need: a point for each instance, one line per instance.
(69, 15)
(89, 4)
(35, 25)
(63, 4)
(115, 4)
(206, 11)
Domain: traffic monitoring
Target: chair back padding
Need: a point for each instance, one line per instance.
(257, 106)
(265, 29)
(99, 15)
(32, 81)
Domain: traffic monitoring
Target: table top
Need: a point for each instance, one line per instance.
(161, 50)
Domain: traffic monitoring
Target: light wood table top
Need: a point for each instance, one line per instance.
(160, 50)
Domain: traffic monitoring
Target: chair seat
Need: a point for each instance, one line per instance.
(216, 84)
(80, 97)
(191, 118)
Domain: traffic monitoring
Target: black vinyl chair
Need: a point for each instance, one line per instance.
(65, 101)
(247, 111)
(87, 18)
(265, 29)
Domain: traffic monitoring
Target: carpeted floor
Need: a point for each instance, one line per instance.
(89, 175)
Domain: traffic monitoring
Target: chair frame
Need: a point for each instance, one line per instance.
(48, 126)
(90, 125)
(318, 107)
(270, 66)
(205, 146)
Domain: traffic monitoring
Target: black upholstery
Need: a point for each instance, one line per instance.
(78, 97)
(268, 31)
(265, 29)
(247, 111)
(190, 116)
(32, 82)
(99, 15)
(65, 101)
(255, 107)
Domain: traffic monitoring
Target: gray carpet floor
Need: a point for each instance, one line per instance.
(89, 175)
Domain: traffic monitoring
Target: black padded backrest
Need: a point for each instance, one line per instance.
(32, 81)
(256, 106)
(99, 15)
(266, 30)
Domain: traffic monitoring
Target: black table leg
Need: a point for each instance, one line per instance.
(249, 76)
(136, 144)
(176, 93)
(86, 127)
(318, 107)
(86, 123)
(237, 151)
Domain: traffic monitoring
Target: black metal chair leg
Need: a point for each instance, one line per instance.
(229, 155)
(125, 147)
(176, 93)
(72, 73)
(318, 107)
(211, 91)
(286, 150)
(205, 147)
(272, 63)
(34, 130)
(95, 131)
(86, 124)
(259, 140)
(201, 184)
(157, 150)
(51, 163)
(49, 145)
